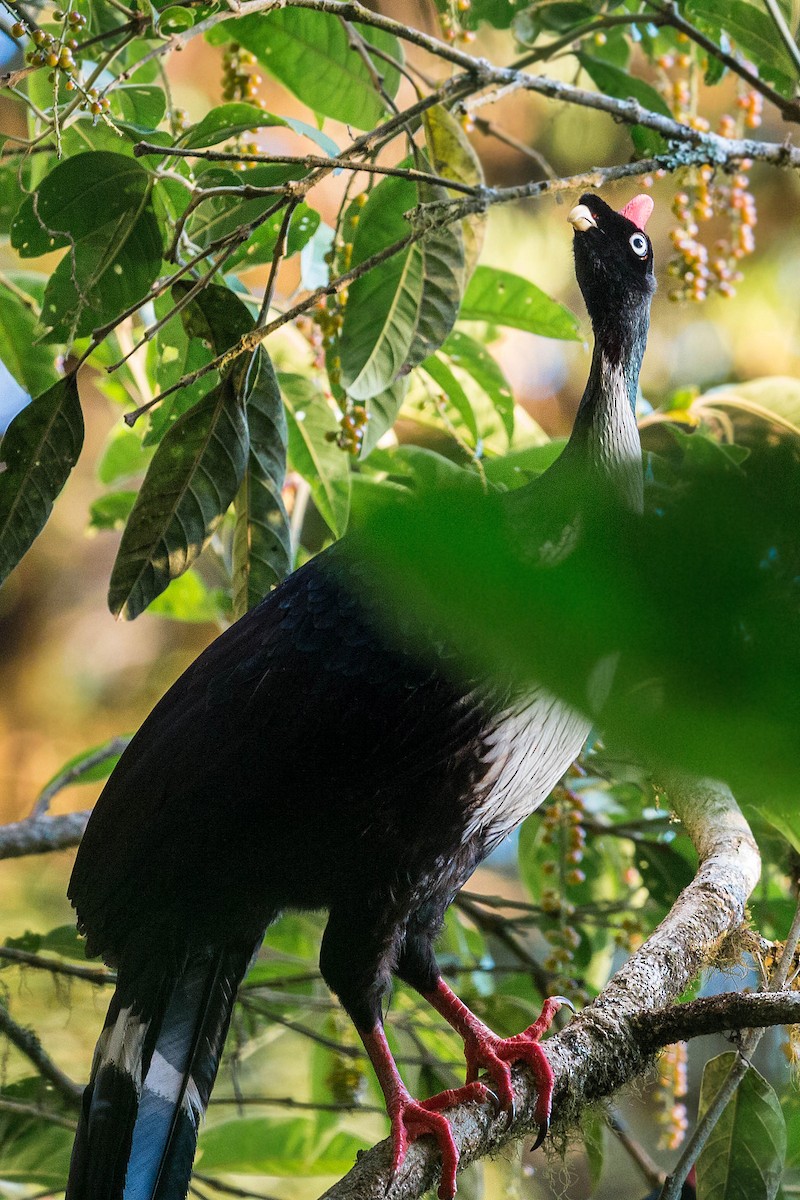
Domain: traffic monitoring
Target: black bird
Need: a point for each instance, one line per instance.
(306, 761)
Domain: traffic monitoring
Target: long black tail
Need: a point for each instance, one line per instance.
(153, 1070)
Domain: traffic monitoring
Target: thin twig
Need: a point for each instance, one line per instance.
(28, 1044)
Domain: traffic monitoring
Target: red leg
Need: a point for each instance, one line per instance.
(485, 1050)
(412, 1118)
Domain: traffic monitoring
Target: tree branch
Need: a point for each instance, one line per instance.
(39, 835)
(601, 1049)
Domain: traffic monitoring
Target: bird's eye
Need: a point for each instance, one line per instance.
(638, 243)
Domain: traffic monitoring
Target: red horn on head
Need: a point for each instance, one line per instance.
(639, 209)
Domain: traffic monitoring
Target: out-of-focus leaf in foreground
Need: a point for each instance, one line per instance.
(677, 631)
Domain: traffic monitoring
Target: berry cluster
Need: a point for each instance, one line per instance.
(695, 269)
(241, 81)
(57, 52)
(670, 1093)
(451, 21)
(563, 830)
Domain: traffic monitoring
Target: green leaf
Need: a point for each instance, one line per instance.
(219, 216)
(453, 157)
(262, 1146)
(313, 451)
(403, 309)
(618, 83)
(309, 53)
(123, 456)
(37, 453)
(744, 1155)
(192, 480)
(31, 364)
(33, 1150)
(112, 510)
(382, 412)
(143, 105)
(98, 205)
(473, 358)
(262, 547)
(502, 298)
(754, 34)
(441, 375)
(593, 1129)
(188, 599)
(84, 767)
(230, 120)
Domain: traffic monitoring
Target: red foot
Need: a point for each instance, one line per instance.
(486, 1051)
(412, 1119)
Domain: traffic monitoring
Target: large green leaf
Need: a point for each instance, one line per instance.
(309, 52)
(618, 83)
(262, 548)
(774, 399)
(192, 480)
(744, 1155)
(30, 364)
(256, 1145)
(98, 205)
(313, 451)
(402, 310)
(382, 411)
(502, 298)
(37, 453)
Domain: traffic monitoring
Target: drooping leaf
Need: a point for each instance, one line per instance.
(502, 298)
(262, 549)
(98, 206)
(453, 157)
(310, 54)
(402, 310)
(190, 483)
(313, 451)
(37, 453)
(745, 1152)
(613, 81)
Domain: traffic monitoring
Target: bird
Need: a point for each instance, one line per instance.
(307, 760)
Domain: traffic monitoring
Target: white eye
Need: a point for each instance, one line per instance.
(638, 243)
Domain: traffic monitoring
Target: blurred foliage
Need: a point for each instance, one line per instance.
(390, 399)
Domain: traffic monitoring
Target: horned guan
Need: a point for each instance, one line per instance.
(306, 760)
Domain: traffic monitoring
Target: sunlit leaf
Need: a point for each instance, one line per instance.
(313, 452)
(31, 365)
(474, 359)
(754, 33)
(502, 298)
(37, 453)
(230, 120)
(453, 157)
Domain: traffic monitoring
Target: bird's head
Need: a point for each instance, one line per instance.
(613, 258)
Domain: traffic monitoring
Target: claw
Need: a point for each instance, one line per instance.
(544, 1129)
